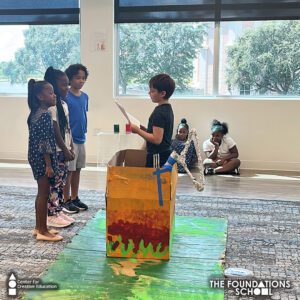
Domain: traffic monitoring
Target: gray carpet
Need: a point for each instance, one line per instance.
(263, 235)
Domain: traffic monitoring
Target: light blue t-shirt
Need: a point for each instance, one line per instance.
(78, 107)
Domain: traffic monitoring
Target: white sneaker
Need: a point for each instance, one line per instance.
(65, 217)
(57, 221)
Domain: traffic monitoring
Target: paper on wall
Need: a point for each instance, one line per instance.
(130, 118)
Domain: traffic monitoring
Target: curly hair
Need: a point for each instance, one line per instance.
(218, 126)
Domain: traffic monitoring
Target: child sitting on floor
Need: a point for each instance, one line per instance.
(221, 151)
(178, 145)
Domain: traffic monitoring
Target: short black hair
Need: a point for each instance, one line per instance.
(163, 82)
(73, 70)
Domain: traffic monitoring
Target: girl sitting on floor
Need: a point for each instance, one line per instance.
(221, 151)
(178, 145)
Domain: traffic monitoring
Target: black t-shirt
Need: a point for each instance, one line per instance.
(161, 117)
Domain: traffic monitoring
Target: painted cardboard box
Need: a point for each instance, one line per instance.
(139, 222)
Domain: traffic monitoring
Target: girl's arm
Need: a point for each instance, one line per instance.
(212, 154)
(60, 142)
(234, 153)
(72, 148)
(154, 138)
(49, 171)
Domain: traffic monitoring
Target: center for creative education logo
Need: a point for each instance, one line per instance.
(14, 284)
(250, 287)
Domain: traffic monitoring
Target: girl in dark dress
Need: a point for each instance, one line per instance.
(41, 151)
(178, 145)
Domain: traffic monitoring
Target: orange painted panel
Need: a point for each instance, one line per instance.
(136, 225)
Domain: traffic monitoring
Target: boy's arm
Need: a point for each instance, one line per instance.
(154, 138)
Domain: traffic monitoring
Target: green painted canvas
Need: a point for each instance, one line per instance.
(83, 271)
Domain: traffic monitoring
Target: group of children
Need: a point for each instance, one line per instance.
(57, 127)
(220, 150)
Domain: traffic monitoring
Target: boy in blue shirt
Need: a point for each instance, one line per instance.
(78, 106)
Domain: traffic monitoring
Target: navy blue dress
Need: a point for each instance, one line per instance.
(41, 141)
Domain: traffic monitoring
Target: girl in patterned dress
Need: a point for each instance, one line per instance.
(178, 145)
(42, 152)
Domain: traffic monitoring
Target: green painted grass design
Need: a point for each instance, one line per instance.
(84, 272)
(142, 249)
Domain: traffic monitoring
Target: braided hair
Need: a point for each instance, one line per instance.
(218, 126)
(34, 88)
(52, 76)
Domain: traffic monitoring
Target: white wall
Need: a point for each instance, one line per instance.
(266, 131)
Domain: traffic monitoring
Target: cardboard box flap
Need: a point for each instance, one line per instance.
(129, 158)
(135, 158)
(117, 159)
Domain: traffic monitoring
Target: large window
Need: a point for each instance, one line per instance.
(183, 50)
(260, 58)
(36, 34)
(211, 47)
(255, 58)
(27, 50)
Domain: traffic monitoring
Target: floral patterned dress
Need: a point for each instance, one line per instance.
(41, 141)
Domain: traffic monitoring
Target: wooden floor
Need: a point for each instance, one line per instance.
(250, 184)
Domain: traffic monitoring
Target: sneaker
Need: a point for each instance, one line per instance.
(65, 217)
(79, 204)
(209, 171)
(57, 221)
(69, 207)
(236, 171)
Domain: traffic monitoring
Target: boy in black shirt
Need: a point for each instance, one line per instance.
(159, 133)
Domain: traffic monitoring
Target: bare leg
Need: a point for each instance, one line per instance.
(67, 187)
(36, 215)
(229, 166)
(42, 206)
(75, 179)
(210, 165)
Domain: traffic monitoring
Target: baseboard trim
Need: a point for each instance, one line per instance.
(270, 165)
